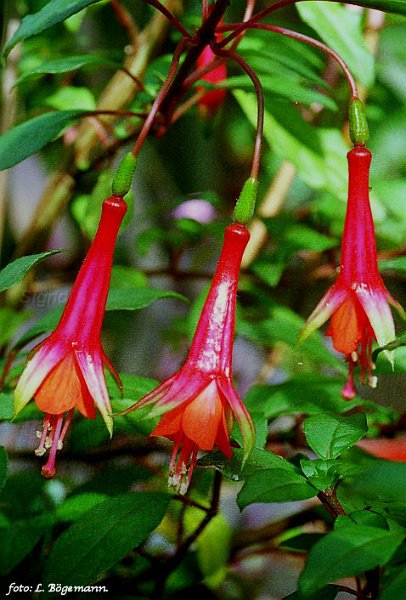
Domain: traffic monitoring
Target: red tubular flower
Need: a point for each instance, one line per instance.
(67, 369)
(200, 401)
(358, 300)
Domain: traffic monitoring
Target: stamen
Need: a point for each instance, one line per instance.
(183, 460)
(373, 381)
(46, 425)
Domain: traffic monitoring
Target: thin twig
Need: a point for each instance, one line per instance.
(161, 96)
(300, 37)
(170, 16)
(172, 563)
(256, 160)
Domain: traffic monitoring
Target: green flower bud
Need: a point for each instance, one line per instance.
(245, 205)
(358, 123)
(124, 175)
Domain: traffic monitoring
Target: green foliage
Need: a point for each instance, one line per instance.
(3, 467)
(104, 535)
(55, 11)
(330, 435)
(66, 65)
(346, 551)
(32, 135)
(316, 508)
(275, 485)
(342, 31)
(19, 538)
(15, 271)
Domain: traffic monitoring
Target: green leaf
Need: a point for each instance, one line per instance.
(392, 6)
(71, 97)
(44, 324)
(74, 508)
(345, 552)
(394, 588)
(19, 539)
(329, 592)
(329, 435)
(15, 271)
(382, 479)
(322, 474)
(397, 343)
(303, 394)
(3, 466)
(6, 406)
(65, 65)
(32, 135)
(279, 86)
(10, 321)
(274, 485)
(118, 299)
(258, 459)
(103, 536)
(398, 264)
(213, 551)
(341, 29)
(324, 170)
(137, 298)
(52, 13)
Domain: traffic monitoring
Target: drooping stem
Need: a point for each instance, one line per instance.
(264, 13)
(260, 102)
(300, 37)
(125, 21)
(249, 9)
(161, 96)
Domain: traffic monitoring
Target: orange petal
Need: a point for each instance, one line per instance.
(201, 417)
(170, 423)
(63, 389)
(346, 326)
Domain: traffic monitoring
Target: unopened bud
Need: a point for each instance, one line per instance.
(245, 206)
(358, 123)
(123, 177)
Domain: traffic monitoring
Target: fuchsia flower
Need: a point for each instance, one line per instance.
(66, 372)
(200, 401)
(358, 301)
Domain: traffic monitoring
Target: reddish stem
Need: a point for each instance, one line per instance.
(171, 18)
(256, 160)
(161, 96)
(300, 37)
(125, 20)
(249, 9)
